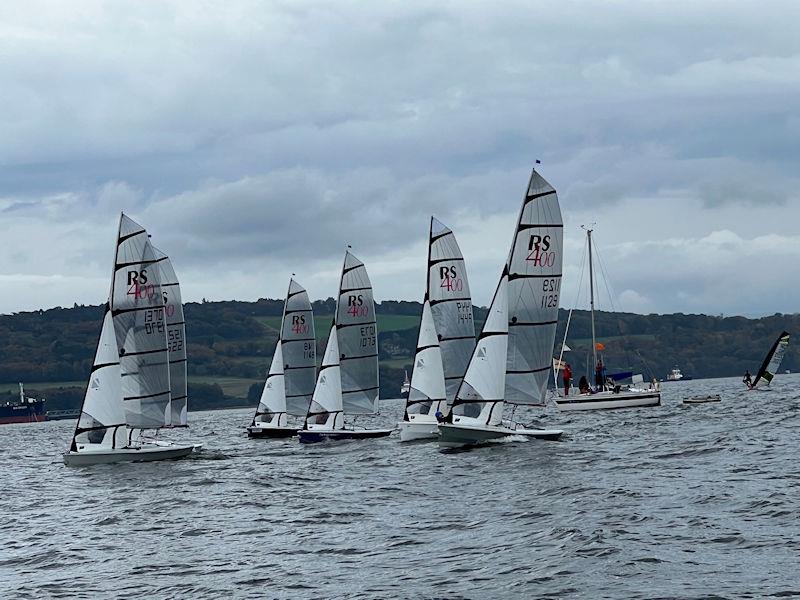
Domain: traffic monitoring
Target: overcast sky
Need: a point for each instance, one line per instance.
(257, 139)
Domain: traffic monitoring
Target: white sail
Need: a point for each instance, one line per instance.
(357, 339)
(137, 306)
(273, 396)
(298, 347)
(534, 286)
(427, 392)
(480, 394)
(102, 418)
(451, 304)
(326, 402)
(176, 340)
(772, 361)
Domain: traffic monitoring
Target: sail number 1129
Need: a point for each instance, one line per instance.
(550, 290)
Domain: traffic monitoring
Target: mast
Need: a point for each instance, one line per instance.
(591, 296)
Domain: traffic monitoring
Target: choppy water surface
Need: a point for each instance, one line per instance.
(672, 502)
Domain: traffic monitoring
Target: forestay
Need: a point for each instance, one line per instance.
(534, 286)
(102, 418)
(298, 349)
(137, 306)
(451, 304)
(357, 339)
(772, 362)
(326, 403)
(427, 391)
(481, 392)
(176, 340)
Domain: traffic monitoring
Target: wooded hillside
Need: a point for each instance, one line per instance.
(230, 344)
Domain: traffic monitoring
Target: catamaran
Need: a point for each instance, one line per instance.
(347, 382)
(772, 362)
(129, 387)
(512, 358)
(290, 382)
(608, 394)
(450, 327)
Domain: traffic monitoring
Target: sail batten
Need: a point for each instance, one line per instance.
(534, 287)
(450, 301)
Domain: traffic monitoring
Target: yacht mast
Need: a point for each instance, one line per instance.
(591, 295)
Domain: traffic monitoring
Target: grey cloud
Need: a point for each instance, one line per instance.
(252, 132)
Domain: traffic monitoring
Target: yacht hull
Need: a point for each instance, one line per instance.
(144, 453)
(609, 400)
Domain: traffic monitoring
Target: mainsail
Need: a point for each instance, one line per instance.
(451, 304)
(326, 403)
(357, 335)
(137, 307)
(102, 418)
(176, 340)
(298, 346)
(772, 361)
(534, 285)
(481, 392)
(427, 391)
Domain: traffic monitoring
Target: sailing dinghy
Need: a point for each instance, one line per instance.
(772, 362)
(347, 382)
(511, 360)
(450, 327)
(290, 382)
(477, 411)
(608, 394)
(129, 385)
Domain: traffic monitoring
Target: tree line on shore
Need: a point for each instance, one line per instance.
(235, 339)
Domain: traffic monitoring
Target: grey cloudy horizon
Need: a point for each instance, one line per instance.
(255, 140)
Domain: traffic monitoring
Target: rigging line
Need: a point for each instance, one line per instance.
(574, 304)
(625, 338)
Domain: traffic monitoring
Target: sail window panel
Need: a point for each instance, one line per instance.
(468, 403)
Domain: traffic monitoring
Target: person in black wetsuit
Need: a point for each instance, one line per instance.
(747, 380)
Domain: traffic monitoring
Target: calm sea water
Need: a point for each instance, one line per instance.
(672, 502)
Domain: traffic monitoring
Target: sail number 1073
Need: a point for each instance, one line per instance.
(550, 290)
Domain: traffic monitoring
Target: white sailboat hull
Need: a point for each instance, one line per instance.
(453, 435)
(419, 427)
(610, 400)
(144, 453)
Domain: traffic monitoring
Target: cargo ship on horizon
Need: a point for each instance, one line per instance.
(25, 410)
